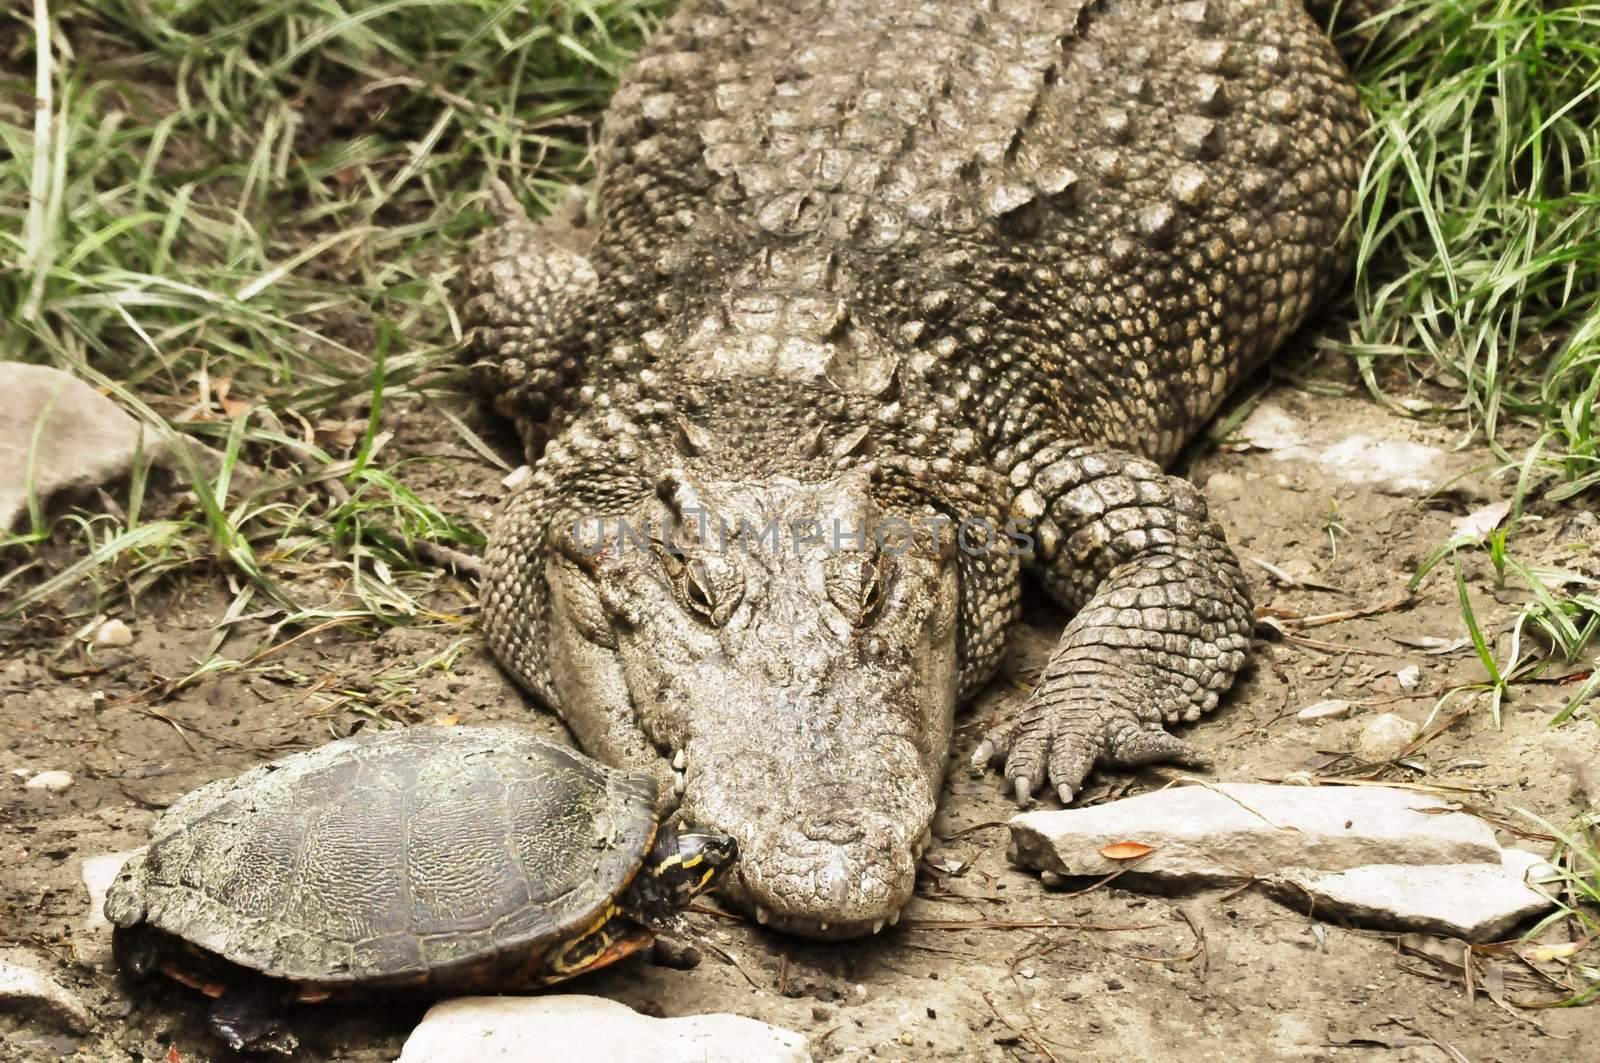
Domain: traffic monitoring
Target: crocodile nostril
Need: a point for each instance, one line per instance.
(832, 829)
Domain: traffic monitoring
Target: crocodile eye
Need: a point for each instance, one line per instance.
(709, 589)
(855, 585)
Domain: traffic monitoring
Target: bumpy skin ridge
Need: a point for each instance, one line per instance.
(900, 260)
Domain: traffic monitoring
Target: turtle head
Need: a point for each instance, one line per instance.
(683, 863)
(687, 862)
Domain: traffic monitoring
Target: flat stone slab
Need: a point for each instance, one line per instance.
(1474, 902)
(577, 1029)
(1207, 834)
(24, 986)
(83, 438)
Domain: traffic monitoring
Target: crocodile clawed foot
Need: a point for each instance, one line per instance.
(1063, 745)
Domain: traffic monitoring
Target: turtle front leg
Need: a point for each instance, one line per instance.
(248, 1018)
(1163, 618)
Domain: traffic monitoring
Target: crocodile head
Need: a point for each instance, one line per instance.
(791, 649)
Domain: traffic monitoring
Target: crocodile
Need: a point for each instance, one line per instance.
(881, 308)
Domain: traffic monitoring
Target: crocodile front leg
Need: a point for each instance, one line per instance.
(522, 286)
(1162, 625)
(567, 664)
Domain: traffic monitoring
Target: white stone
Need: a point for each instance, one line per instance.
(24, 986)
(91, 941)
(1324, 710)
(99, 872)
(1270, 427)
(83, 439)
(1365, 458)
(1384, 736)
(1476, 902)
(1223, 485)
(1409, 677)
(580, 1029)
(114, 634)
(1392, 466)
(517, 477)
(53, 781)
(1226, 831)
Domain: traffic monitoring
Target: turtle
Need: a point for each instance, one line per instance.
(435, 859)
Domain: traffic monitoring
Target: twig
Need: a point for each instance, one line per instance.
(1031, 1038)
(1444, 1046)
(729, 958)
(1013, 924)
(447, 557)
(1339, 617)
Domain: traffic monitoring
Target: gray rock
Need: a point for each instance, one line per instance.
(1384, 736)
(1203, 834)
(1324, 710)
(54, 782)
(1476, 902)
(1368, 457)
(575, 1029)
(24, 986)
(113, 634)
(85, 440)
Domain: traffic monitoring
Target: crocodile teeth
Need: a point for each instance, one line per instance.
(679, 784)
(762, 915)
(894, 916)
(877, 925)
(679, 761)
(823, 927)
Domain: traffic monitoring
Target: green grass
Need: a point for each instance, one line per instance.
(1479, 273)
(224, 217)
(1479, 257)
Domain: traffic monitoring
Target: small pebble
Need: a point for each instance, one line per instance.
(1324, 710)
(1409, 677)
(819, 1013)
(1384, 736)
(53, 781)
(1223, 485)
(113, 634)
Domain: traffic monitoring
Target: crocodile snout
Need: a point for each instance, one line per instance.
(828, 844)
(800, 884)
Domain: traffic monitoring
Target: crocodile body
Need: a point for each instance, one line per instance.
(884, 308)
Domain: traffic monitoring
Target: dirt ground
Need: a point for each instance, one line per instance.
(974, 971)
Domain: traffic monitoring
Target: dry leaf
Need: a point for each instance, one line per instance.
(1432, 645)
(1541, 953)
(1481, 522)
(1126, 850)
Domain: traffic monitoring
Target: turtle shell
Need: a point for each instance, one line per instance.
(426, 856)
